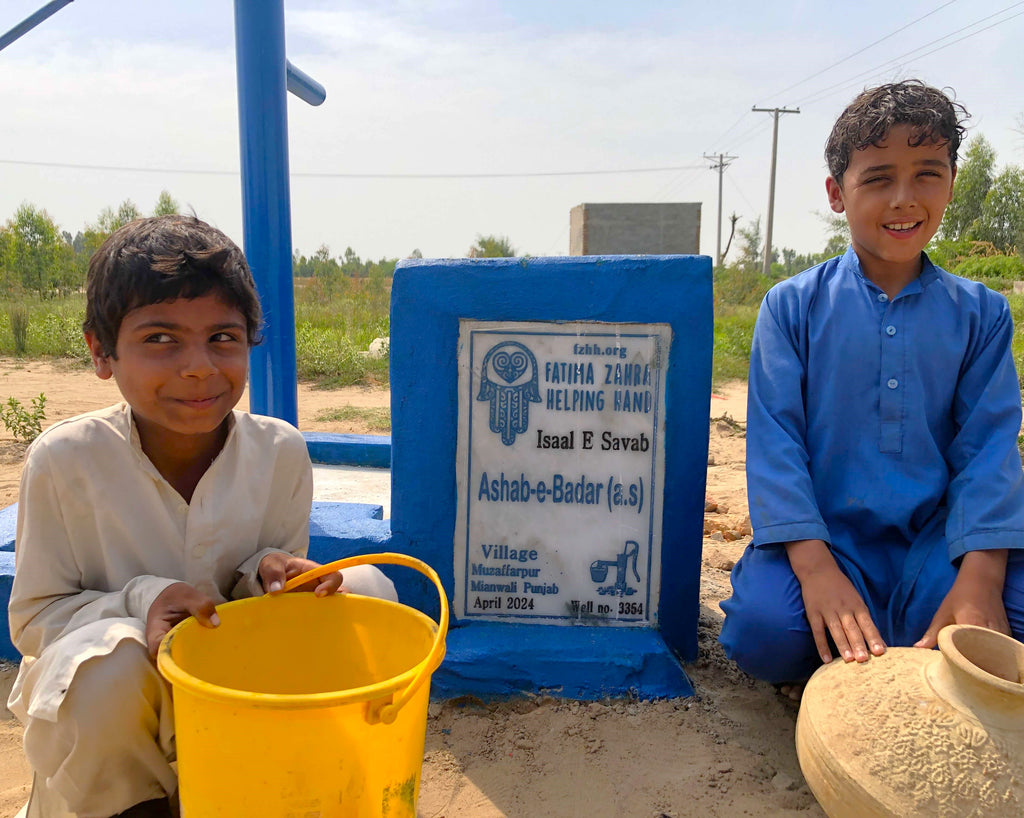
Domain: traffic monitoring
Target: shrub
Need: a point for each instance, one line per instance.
(59, 333)
(734, 286)
(996, 272)
(323, 353)
(25, 425)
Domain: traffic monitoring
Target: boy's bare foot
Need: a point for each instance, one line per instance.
(793, 691)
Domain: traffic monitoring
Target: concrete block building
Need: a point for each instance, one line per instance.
(635, 229)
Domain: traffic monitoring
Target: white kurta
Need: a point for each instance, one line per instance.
(101, 534)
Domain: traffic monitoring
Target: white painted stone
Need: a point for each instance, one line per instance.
(379, 348)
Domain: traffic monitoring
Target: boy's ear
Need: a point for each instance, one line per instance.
(952, 180)
(835, 195)
(100, 359)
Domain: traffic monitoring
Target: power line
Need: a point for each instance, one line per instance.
(862, 50)
(821, 94)
(721, 136)
(749, 134)
(299, 174)
(743, 195)
(677, 184)
(817, 96)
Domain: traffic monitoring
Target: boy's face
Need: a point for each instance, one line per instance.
(181, 365)
(894, 196)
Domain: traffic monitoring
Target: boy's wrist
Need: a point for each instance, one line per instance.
(809, 557)
(987, 566)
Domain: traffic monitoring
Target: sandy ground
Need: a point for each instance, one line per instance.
(728, 751)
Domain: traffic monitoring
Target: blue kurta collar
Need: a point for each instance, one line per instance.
(929, 273)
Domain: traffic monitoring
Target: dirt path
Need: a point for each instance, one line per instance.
(726, 752)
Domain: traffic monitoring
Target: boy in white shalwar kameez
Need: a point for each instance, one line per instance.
(135, 517)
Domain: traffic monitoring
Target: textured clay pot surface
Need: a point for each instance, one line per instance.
(919, 732)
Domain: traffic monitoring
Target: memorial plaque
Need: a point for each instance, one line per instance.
(560, 471)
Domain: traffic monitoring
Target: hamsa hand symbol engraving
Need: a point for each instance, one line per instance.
(508, 379)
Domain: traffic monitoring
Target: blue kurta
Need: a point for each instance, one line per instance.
(885, 427)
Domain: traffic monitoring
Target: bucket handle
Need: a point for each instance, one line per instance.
(386, 711)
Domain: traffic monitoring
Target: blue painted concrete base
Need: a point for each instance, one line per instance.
(498, 660)
(371, 451)
(7, 650)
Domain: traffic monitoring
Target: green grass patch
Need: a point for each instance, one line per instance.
(333, 328)
(52, 328)
(377, 419)
(734, 333)
(332, 331)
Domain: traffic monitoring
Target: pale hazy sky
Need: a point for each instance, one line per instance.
(116, 87)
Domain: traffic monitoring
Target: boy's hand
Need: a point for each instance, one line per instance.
(832, 604)
(277, 568)
(175, 603)
(976, 597)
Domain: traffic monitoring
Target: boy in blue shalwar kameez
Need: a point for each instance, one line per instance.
(883, 475)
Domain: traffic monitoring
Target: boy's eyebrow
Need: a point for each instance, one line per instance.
(937, 163)
(156, 323)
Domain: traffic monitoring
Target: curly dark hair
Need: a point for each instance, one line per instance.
(162, 258)
(932, 115)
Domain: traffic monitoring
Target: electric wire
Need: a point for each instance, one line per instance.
(817, 96)
(861, 50)
(743, 195)
(678, 184)
(312, 175)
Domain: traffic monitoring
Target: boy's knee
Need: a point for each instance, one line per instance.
(369, 580)
(769, 647)
(108, 695)
(122, 689)
(765, 630)
(109, 747)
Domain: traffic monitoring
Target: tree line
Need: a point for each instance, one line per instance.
(38, 257)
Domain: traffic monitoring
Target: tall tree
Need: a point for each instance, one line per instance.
(973, 180)
(491, 246)
(33, 252)
(166, 205)
(1002, 213)
(111, 220)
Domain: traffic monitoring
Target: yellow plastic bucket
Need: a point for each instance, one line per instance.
(304, 707)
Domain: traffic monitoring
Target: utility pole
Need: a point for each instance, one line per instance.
(721, 161)
(767, 267)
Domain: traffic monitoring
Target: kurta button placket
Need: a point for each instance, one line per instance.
(891, 366)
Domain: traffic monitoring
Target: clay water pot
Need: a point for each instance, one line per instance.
(919, 732)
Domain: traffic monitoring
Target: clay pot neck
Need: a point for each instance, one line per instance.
(981, 674)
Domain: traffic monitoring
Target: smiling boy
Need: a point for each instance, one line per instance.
(136, 516)
(884, 480)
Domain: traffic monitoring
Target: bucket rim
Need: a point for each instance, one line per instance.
(179, 677)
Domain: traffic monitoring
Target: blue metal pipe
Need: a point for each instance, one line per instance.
(266, 201)
(32, 21)
(304, 86)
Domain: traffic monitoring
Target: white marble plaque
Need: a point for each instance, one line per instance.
(560, 466)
